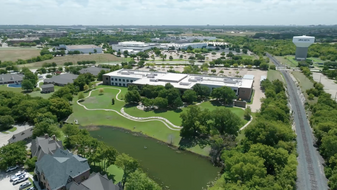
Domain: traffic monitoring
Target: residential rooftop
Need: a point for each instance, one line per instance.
(62, 79)
(21, 136)
(93, 70)
(75, 47)
(8, 78)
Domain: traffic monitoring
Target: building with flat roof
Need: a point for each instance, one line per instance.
(242, 87)
(11, 78)
(46, 88)
(85, 49)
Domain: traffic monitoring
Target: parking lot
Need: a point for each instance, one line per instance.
(5, 183)
(329, 85)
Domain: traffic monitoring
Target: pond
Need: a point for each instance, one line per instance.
(179, 170)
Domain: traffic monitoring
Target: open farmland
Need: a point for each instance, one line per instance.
(13, 54)
(99, 58)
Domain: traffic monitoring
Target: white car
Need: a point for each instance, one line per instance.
(11, 168)
(31, 188)
(24, 185)
(17, 175)
(20, 179)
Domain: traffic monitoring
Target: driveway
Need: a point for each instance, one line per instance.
(258, 93)
(5, 137)
(5, 184)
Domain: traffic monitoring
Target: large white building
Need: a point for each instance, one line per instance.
(302, 43)
(241, 86)
(84, 49)
(134, 47)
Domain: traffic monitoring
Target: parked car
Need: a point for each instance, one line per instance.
(20, 179)
(12, 168)
(17, 175)
(31, 188)
(24, 185)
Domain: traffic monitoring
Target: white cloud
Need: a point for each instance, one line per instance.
(168, 12)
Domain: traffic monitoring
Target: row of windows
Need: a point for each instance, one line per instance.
(118, 84)
(121, 80)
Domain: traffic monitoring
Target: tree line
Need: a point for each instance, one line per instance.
(265, 158)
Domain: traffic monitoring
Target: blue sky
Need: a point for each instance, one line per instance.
(168, 12)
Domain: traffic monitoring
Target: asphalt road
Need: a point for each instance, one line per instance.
(310, 171)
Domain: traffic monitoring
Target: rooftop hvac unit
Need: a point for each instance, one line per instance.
(192, 80)
(150, 76)
(185, 83)
(125, 73)
(153, 80)
(131, 72)
(199, 78)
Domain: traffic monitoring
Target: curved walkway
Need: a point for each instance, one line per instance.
(167, 123)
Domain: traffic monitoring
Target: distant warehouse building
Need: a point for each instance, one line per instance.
(242, 87)
(83, 49)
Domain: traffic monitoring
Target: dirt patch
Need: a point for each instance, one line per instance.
(13, 54)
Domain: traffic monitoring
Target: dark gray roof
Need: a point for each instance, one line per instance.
(47, 86)
(42, 145)
(93, 70)
(5, 78)
(62, 79)
(59, 167)
(95, 182)
(21, 136)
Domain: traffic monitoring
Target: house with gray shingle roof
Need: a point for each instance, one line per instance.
(95, 181)
(11, 78)
(93, 70)
(24, 135)
(55, 171)
(61, 80)
(45, 145)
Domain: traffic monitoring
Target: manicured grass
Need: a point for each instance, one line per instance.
(117, 172)
(247, 56)
(33, 94)
(251, 98)
(317, 60)
(13, 54)
(12, 129)
(274, 75)
(99, 58)
(153, 129)
(287, 60)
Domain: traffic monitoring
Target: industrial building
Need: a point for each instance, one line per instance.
(134, 47)
(302, 43)
(84, 49)
(241, 86)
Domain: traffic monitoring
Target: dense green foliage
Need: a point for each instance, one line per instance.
(266, 156)
(12, 154)
(323, 120)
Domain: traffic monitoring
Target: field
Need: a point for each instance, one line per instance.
(99, 58)
(13, 54)
(287, 60)
(305, 84)
(235, 34)
(153, 129)
(274, 75)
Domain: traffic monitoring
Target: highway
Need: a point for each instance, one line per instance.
(310, 171)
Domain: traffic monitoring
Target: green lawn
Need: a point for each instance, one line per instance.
(12, 129)
(154, 129)
(274, 75)
(287, 60)
(247, 56)
(305, 84)
(33, 94)
(117, 172)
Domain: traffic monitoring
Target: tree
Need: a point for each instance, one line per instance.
(6, 122)
(227, 65)
(132, 97)
(84, 79)
(141, 63)
(264, 66)
(247, 113)
(65, 93)
(139, 181)
(190, 96)
(213, 71)
(249, 66)
(31, 163)
(27, 85)
(128, 164)
(60, 107)
(101, 91)
(95, 50)
(235, 65)
(192, 127)
(70, 130)
(147, 102)
(224, 94)
(160, 102)
(45, 127)
(85, 87)
(225, 121)
(177, 103)
(12, 154)
(171, 58)
(100, 75)
(202, 91)
(80, 96)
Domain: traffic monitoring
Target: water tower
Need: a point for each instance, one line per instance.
(302, 43)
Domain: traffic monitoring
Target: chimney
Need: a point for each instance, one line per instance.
(54, 138)
(46, 136)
